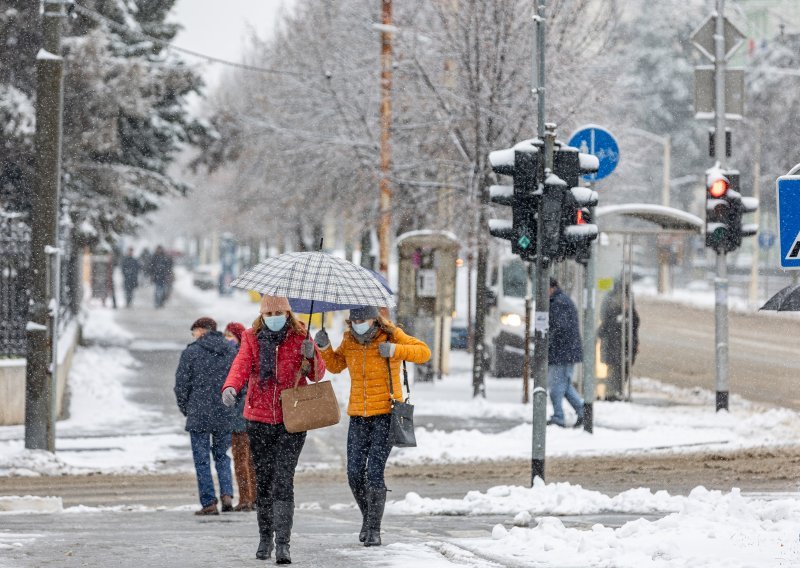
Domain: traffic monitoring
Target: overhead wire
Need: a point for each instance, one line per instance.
(98, 17)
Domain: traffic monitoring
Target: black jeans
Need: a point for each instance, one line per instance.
(368, 449)
(275, 453)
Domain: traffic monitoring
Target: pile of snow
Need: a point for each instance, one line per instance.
(711, 529)
(31, 504)
(99, 327)
(704, 529)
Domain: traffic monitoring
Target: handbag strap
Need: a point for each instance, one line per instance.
(405, 377)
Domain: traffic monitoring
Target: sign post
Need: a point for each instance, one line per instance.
(599, 142)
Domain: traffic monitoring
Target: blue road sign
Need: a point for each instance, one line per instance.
(599, 142)
(789, 221)
(766, 239)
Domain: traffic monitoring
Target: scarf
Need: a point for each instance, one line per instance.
(268, 342)
(367, 337)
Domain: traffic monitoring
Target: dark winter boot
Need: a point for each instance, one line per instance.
(376, 501)
(264, 516)
(284, 517)
(360, 495)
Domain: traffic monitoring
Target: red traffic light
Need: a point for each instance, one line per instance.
(579, 220)
(718, 188)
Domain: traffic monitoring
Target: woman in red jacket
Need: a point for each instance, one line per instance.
(273, 354)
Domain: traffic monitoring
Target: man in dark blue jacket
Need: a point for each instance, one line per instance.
(201, 373)
(564, 351)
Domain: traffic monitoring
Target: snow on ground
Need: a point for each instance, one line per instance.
(105, 432)
(703, 529)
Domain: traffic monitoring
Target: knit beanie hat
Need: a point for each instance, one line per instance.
(275, 304)
(363, 313)
(235, 329)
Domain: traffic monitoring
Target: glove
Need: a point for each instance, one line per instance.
(307, 349)
(229, 396)
(321, 339)
(386, 349)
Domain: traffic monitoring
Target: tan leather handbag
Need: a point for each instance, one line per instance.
(308, 407)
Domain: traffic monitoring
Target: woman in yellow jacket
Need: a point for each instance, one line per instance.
(368, 342)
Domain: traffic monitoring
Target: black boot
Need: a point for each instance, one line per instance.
(376, 501)
(264, 516)
(360, 495)
(284, 516)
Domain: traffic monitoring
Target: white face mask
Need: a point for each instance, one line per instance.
(363, 327)
(274, 323)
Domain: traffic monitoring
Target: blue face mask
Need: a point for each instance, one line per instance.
(274, 323)
(362, 328)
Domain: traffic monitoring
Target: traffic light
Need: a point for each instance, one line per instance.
(725, 207)
(575, 231)
(522, 162)
(579, 231)
(718, 211)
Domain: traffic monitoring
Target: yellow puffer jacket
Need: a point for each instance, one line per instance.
(369, 382)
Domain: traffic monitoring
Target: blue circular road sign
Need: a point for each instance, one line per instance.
(599, 142)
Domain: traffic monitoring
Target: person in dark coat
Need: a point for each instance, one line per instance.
(610, 335)
(565, 350)
(130, 276)
(161, 273)
(243, 466)
(202, 371)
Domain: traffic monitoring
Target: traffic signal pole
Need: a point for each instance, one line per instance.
(42, 327)
(542, 273)
(589, 336)
(721, 280)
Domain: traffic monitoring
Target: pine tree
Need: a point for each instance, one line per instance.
(124, 110)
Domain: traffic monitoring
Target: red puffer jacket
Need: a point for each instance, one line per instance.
(263, 402)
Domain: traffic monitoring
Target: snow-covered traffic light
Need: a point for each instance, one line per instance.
(523, 164)
(725, 208)
(575, 227)
(718, 211)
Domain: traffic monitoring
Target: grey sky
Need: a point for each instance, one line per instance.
(218, 28)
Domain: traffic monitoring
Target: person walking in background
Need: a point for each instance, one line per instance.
(202, 370)
(161, 273)
(243, 467)
(368, 343)
(274, 353)
(564, 351)
(130, 276)
(610, 334)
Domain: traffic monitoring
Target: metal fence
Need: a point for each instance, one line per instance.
(15, 249)
(15, 246)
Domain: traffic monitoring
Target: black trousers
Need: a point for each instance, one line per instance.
(275, 453)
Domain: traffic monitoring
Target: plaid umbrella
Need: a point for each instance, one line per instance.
(316, 276)
(316, 307)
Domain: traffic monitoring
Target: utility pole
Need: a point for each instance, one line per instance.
(721, 280)
(384, 232)
(542, 287)
(42, 328)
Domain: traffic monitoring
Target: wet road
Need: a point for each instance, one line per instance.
(677, 346)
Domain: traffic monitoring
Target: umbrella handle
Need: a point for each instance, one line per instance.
(311, 311)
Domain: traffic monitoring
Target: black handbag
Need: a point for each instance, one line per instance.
(401, 426)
